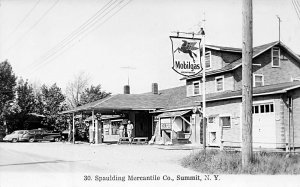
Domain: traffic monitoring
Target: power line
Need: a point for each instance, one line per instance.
(68, 47)
(77, 31)
(23, 20)
(296, 7)
(34, 25)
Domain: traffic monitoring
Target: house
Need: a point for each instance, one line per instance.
(276, 109)
(174, 114)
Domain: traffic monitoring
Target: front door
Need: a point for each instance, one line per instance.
(213, 131)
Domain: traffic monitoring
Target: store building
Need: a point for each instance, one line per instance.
(174, 115)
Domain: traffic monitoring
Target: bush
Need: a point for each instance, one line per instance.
(217, 162)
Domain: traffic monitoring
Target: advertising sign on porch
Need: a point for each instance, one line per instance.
(165, 124)
(186, 55)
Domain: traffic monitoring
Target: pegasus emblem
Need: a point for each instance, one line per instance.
(188, 47)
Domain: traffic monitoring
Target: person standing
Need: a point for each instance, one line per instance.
(121, 130)
(129, 129)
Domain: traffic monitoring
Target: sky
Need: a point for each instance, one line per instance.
(127, 33)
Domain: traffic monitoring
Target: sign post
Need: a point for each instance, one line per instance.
(187, 60)
(203, 93)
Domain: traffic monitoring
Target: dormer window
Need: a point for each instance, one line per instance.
(196, 87)
(219, 83)
(258, 80)
(208, 59)
(275, 57)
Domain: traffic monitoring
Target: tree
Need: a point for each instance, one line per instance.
(7, 84)
(52, 99)
(75, 88)
(23, 105)
(92, 94)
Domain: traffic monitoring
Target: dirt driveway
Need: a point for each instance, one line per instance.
(62, 160)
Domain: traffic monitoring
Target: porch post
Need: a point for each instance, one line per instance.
(96, 128)
(99, 130)
(221, 136)
(73, 140)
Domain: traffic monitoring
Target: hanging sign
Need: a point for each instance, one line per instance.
(186, 55)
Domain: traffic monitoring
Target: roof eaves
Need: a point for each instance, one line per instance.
(170, 110)
(290, 51)
(239, 96)
(269, 47)
(292, 88)
(105, 99)
(221, 48)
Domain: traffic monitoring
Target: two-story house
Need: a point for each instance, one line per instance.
(276, 101)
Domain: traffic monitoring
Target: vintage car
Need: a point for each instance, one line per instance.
(16, 136)
(42, 135)
(32, 136)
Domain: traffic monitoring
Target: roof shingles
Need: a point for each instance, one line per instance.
(175, 98)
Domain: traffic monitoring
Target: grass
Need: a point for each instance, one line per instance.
(222, 162)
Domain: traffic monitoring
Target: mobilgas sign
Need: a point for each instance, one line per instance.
(186, 55)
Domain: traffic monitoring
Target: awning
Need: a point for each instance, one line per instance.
(173, 114)
(103, 117)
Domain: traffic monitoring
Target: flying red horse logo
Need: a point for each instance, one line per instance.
(188, 47)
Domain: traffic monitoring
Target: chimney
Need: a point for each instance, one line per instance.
(154, 88)
(126, 89)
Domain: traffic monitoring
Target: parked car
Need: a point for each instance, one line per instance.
(32, 136)
(16, 136)
(42, 135)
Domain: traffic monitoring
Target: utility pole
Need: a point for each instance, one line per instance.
(279, 21)
(247, 150)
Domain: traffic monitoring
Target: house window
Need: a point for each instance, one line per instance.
(226, 122)
(211, 119)
(275, 57)
(208, 60)
(196, 86)
(219, 83)
(263, 108)
(258, 80)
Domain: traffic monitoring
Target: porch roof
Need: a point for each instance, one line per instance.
(173, 114)
(104, 117)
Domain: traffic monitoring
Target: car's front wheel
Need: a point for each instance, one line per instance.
(56, 139)
(31, 140)
(14, 140)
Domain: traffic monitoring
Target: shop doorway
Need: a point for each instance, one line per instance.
(143, 125)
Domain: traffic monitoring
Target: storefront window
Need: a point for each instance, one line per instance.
(114, 127)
